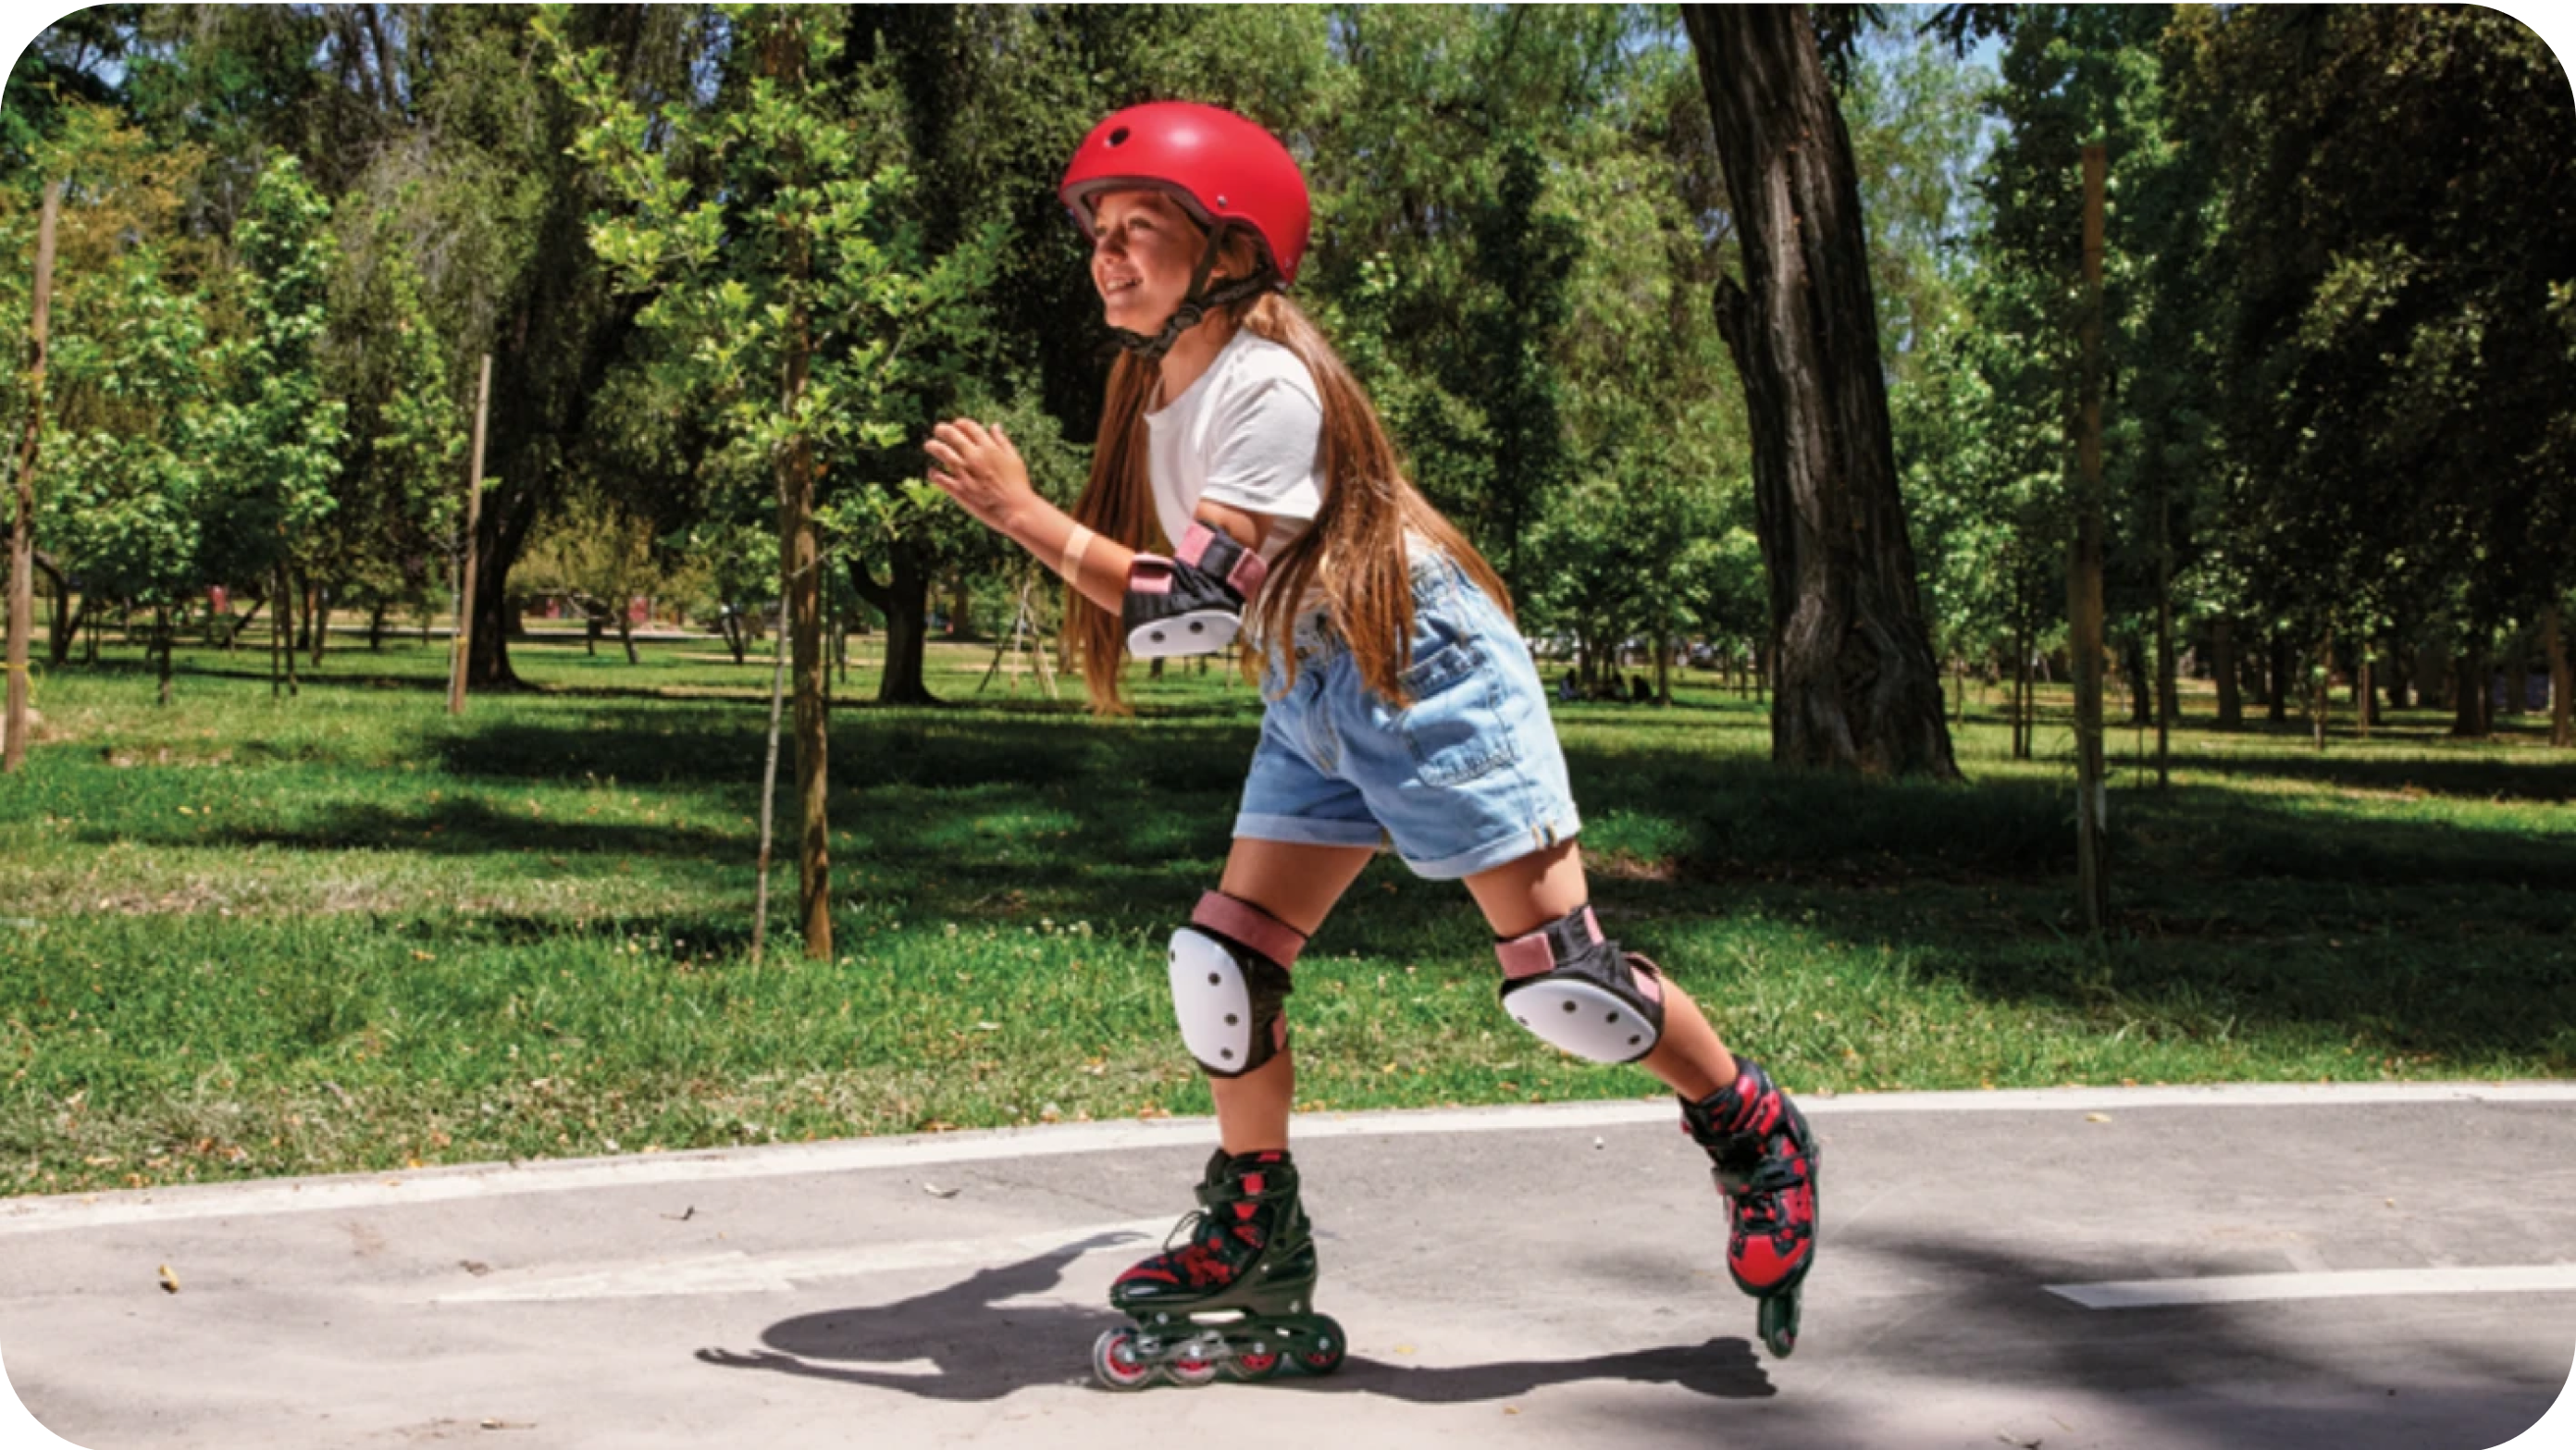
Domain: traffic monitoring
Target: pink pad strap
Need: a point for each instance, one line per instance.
(1532, 955)
(1149, 574)
(1248, 571)
(1243, 922)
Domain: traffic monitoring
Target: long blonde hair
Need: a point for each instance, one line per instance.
(1355, 550)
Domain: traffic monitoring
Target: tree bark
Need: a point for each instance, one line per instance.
(68, 608)
(2222, 666)
(2276, 705)
(18, 693)
(2022, 647)
(2562, 680)
(2133, 663)
(162, 632)
(2469, 692)
(1858, 688)
(904, 600)
(2321, 693)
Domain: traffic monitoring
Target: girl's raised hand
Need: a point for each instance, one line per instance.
(978, 467)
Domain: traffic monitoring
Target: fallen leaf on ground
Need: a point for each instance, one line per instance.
(935, 1191)
(169, 1281)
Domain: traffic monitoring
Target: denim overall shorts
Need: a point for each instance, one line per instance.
(1466, 778)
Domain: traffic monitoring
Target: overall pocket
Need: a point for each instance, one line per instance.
(1452, 727)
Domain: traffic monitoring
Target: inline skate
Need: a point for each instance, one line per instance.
(1234, 1297)
(1764, 1160)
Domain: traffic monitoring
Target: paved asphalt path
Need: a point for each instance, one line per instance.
(2353, 1268)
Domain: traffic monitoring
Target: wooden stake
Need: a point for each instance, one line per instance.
(22, 538)
(769, 783)
(2084, 578)
(464, 640)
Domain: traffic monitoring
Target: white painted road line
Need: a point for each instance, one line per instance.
(358, 1191)
(2348, 1284)
(740, 1273)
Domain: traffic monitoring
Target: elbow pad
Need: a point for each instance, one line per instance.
(1191, 603)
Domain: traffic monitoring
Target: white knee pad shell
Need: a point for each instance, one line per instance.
(1577, 991)
(1230, 985)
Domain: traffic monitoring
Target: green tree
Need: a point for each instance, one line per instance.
(602, 558)
(127, 485)
(2400, 213)
(791, 276)
(279, 437)
(401, 483)
(121, 224)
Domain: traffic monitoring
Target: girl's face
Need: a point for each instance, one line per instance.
(1143, 249)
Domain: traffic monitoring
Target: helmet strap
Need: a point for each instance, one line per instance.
(1150, 347)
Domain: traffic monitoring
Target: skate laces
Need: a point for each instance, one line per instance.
(1198, 1246)
(1758, 1193)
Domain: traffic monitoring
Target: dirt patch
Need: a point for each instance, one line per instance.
(163, 755)
(1620, 866)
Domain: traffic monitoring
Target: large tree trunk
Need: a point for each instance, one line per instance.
(2222, 667)
(2141, 682)
(2469, 692)
(1858, 686)
(905, 602)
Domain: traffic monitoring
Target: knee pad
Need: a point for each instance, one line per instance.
(1230, 983)
(1577, 991)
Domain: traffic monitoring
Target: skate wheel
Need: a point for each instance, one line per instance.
(1779, 1323)
(1324, 1355)
(1115, 1363)
(1191, 1371)
(1252, 1366)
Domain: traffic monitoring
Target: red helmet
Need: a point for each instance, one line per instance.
(1220, 167)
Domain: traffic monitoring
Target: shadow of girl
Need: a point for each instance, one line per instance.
(985, 1339)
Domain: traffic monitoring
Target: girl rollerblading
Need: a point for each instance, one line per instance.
(1402, 710)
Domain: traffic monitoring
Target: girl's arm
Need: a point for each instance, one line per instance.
(980, 469)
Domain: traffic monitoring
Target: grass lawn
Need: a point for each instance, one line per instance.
(341, 932)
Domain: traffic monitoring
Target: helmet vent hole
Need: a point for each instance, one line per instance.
(1118, 137)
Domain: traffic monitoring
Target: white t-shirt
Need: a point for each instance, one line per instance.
(1249, 434)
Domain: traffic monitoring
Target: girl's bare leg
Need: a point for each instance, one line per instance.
(1298, 885)
(1524, 895)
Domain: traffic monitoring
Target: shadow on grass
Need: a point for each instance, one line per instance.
(2463, 776)
(987, 1341)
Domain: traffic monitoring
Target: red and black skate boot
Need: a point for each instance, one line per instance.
(1245, 1201)
(1765, 1165)
(1236, 1292)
